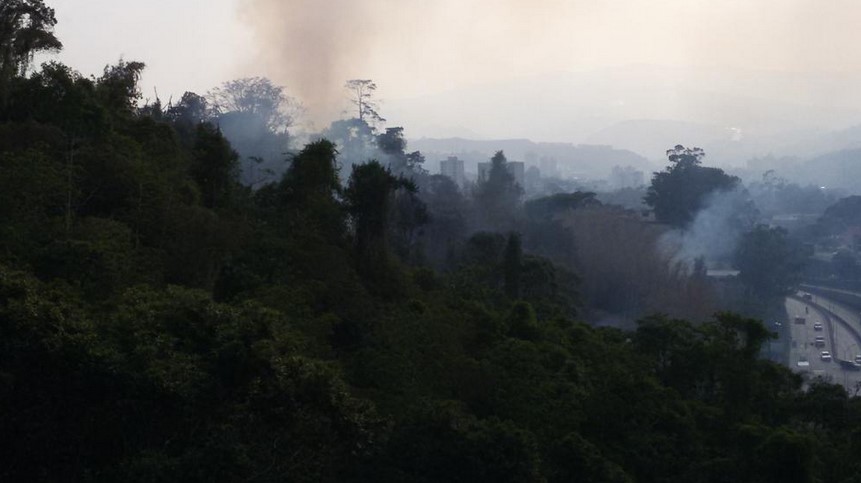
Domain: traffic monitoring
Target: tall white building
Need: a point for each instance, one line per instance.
(453, 168)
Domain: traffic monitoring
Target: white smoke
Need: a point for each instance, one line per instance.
(715, 231)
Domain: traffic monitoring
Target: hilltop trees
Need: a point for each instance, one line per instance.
(381, 206)
(498, 195)
(311, 187)
(355, 140)
(119, 86)
(448, 212)
(362, 96)
(161, 322)
(770, 263)
(26, 28)
(392, 145)
(214, 167)
(257, 98)
(679, 192)
(255, 115)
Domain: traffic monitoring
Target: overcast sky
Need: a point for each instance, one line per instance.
(421, 48)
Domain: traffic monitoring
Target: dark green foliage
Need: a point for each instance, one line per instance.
(58, 96)
(392, 141)
(679, 192)
(255, 115)
(214, 167)
(118, 87)
(313, 172)
(355, 140)
(498, 196)
(169, 386)
(159, 322)
(369, 197)
(441, 443)
(447, 211)
(310, 186)
(382, 205)
(513, 266)
(575, 458)
(770, 262)
(26, 27)
(393, 146)
(522, 323)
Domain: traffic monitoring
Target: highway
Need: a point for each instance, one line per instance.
(841, 340)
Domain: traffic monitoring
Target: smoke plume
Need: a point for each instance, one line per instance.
(715, 231)
(414, 48)
(314, 46)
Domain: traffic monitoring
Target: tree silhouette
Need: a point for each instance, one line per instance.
(26, 27)
(678, 193)
(362, 96)
(258, 97)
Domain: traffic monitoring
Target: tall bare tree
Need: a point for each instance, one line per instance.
(362, 96)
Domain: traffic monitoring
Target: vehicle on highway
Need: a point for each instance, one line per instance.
(806, 296)
(803, 362)
(858, 358)
(800, 320)
(825, 356)
(819, 341)
(817, 326)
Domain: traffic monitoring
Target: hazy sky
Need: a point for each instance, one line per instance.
(413, 47)
(421, 48)
(186, 44)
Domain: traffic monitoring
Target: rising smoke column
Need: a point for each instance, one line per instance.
(313, 46)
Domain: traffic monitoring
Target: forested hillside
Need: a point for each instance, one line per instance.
(161, 321)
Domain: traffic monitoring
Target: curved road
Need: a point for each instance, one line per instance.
(841, 340)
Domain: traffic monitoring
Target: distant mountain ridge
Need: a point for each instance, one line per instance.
(733, 110)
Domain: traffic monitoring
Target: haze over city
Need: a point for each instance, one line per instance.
(770, 71)
(373, 241)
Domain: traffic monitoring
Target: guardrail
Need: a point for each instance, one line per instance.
(846, 297)
(830, 317)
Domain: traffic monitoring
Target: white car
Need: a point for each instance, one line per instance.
(825, 356)
(817, 326)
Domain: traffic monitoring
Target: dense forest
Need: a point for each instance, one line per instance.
(166, 316)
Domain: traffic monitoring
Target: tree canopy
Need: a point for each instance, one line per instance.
(680, 191)
(26, 28)
(161, 321)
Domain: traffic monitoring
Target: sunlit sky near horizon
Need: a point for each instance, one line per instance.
(186, 44)
(417, 48)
